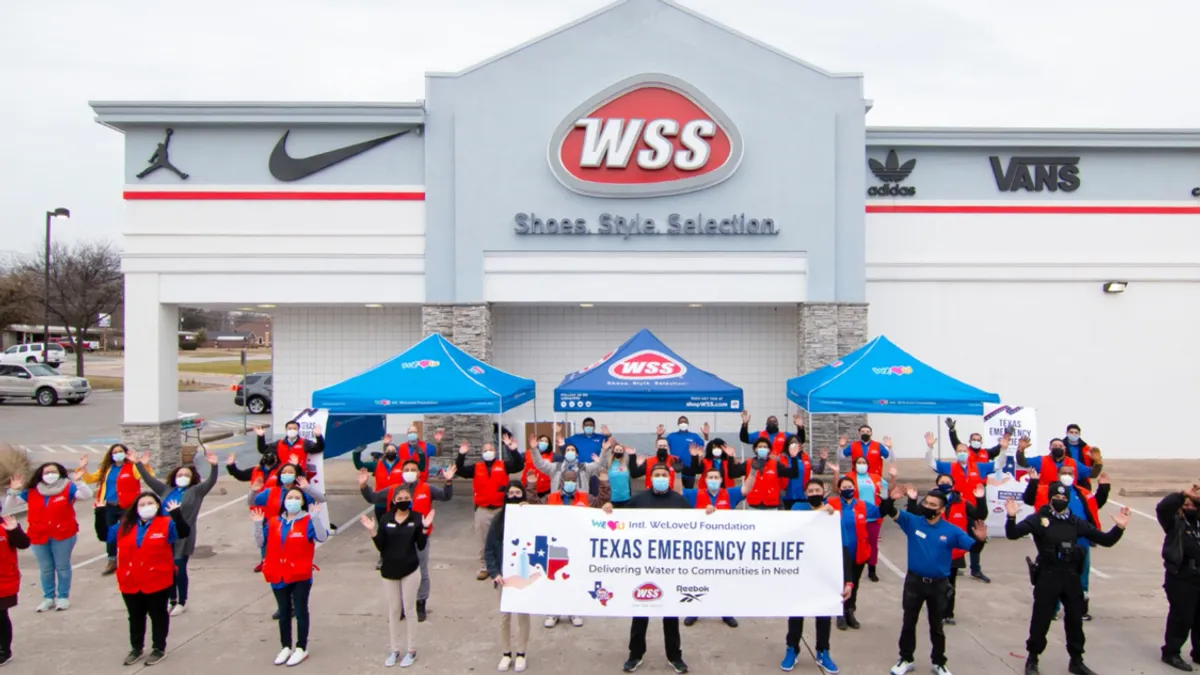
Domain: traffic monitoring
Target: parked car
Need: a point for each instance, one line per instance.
(69, 344)
(254, 393)
(41, 383)
(32, 353)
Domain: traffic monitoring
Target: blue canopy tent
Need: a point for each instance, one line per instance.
(880, 377)
(644, 375)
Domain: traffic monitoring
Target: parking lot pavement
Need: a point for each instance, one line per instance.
(228, 629)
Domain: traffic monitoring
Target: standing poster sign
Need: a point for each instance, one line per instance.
(308, 419)
(1000, 487)
(997, 419)
(684, 562)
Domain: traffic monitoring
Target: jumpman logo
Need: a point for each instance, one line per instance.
(161, 160)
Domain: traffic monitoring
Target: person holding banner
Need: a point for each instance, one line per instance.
(1055, 575)
(967, 472)
(680, 442)
(292, 449)
(400, 536)
(1180, 520)
(873, 451)
(770, 473)
(489, 476)
(718, 455)
(931, 544)
(514, 495)
(663, 456)
(860, 502)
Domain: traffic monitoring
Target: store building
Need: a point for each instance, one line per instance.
(544, 205)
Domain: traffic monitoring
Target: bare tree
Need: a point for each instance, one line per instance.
(17, 302)
(85, 282)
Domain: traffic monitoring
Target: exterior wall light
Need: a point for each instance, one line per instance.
(1115, 286)
(586, 305)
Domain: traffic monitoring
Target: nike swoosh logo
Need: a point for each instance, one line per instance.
(287, 169)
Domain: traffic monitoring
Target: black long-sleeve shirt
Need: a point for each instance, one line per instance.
(1181, 545)
(313, 447)
(398, 543)
(744, 433)
(993, 452)
(514, 462)
(730, 466)
(380, 497)
(1057, 538)
(244, 475)
(638, 469)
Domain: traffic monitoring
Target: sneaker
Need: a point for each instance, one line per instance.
(577, 621)
(1087, 617)
(505, 662)
(851, 621)
(134, 657)
(109, 569)
(978, 575)
(62, 604)
(872, 574)
(275, 616)
(631, 665)
(178, 609)
(156, 655)
(940, 670)
(258, 567)
(841, 623)
(789, 660)
(1031, 666)
(551, 622)
(482, 576)
(949, 621)
(283, 656)
(6, 657)
(1177, 663)
(297, 657)
(409, 659)
(730, 621)
(519, 664)
(378, 565)
(46, 606)
(421, 611)
(1076, 667)
(902, 667)
(679, 666)
(391, 659)
(826, 664)
(689, 621)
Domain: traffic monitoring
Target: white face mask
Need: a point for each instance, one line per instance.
(1067, 480)
(183, 480)
(292, 434)
(716, 453)
(488, 455)
(683, 426)
(147, 512)
(975, 445)
(410, 476)
(118, 457)
(50, 478)
(962, 457)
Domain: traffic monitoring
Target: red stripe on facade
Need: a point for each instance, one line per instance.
(274, 196)
(1064, 209)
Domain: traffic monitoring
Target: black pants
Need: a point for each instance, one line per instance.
(1054, 585)
(153, 605)
(852, 604)
(637, 637)
(293, 601)
(689, 482)
(788, 503)
(1183, 615)
(112, 516)
(796, 631)
(5, 632)
(951, 592)
(976, 552)
(179, 590)
(931, 594)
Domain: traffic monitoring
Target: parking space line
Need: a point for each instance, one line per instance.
(66, 448)
(94, 451)
(1133, 510)
(888, 564)
(1100, 574)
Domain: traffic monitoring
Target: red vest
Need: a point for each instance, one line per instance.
(703, 500)
(966, 479)
(726, 481)
(777, 441)
(274, 501)
(285, 451)
(874, 455)
(269, 478)
(10, 572)
(290, 561)
(580, 498)
(405, 453)
(651, 463)
(53, 520)
(766, 485)
(862, 546)
(148, 568)
(128, 485)
(384, 478)
(1089, 502)
(981, 455)
(874, 479)
(1048, 472)
(543, 481)
(489, 485)
(956, 515)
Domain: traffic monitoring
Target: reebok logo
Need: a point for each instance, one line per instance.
(1037, 174)
(646, 136)
(287, 169)
(891, 172)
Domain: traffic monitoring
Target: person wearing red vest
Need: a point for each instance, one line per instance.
(489, 478)
(855, 539)
(874, 451)
(290, 540)
(118, 485)
(423, 495)
(12, 539)
(663, 456)
(774, 437)
(718, 455)
(53, 529)
(768, 474)
(793, 490)
(267, 470)
(714, 496)
(967, 472)
(271, 499)
(571, 493)
(962, 512)
(541, 447)
(292, 449)
(975, 443)
(145, 541)
(400, 536)
(1048, 466)
(414, 448)
(871, 489)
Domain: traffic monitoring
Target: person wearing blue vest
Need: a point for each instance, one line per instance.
(680, 442)
(814, 499)
(931, 544)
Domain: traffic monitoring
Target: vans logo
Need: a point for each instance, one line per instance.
(893, 172)
(647, 364)
(647, 136)
(1037, 174)
(647, 592)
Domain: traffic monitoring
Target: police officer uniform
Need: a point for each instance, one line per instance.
(1181, 557)
(1055, 575)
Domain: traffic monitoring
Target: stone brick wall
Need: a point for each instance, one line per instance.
(469, 327)
(164, 442)
(825, 331)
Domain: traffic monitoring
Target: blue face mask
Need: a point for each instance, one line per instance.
(588, 431)
(543, 445)
(287, 478)
(570, 455)
(846, 494)
(762, 453)
(293, 505)
(944, 488)
(569, 487)
(412, 438)
(1074, 438)
(714, 484)
(860, 468)
(660, 483)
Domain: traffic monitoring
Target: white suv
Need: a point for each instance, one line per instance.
(32, 353)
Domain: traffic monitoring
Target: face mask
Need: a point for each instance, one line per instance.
(489, 455)
(183, 480)
(147, 512)
(846, 494)
(1057, 453)
(404, 505)
(660, 453)
(762, 452)
(409, 476)
(50, 478)
(683, 426)
(511, 499)
(1059, 505)
(588, 431)
(269, 460)
(1190, 514)
(412, 438)
(772, 428)
(1074, 438)
(118, 457)
(569, 487)
(866, 438)
(287, 478)
(926, 512)
(390, 455)
(716, 453)
(292, 434)
(714, 484)
(543, 446)
(815, 500)
(975, 445)
(860, 469)
(1067, 480)
(293, 505)
(962, 457)
(618, 455)
(570, 456)
(660, 483)
(945, 488)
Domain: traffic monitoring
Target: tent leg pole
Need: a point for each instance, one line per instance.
(938, 435)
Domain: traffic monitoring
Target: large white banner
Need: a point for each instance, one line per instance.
(996, 420)
(308, 419)
(1000, 487)
(652, 562)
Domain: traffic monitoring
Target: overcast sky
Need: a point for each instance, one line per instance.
(1070, 63)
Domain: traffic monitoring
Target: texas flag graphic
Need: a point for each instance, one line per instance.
(550, 558)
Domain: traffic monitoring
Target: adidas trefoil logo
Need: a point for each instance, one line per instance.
(891, 172)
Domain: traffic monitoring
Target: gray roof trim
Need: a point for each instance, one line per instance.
(618, 3)
(983, 137)
(120, 115)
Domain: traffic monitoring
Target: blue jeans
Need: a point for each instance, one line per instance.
(179, 591)
(54, 562)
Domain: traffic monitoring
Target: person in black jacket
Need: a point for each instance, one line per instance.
(399, 535)
(1177, 514)
(1055, 576)
(493, 553)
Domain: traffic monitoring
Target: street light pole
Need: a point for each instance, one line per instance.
(50, 215)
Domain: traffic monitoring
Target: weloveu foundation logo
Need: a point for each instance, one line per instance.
(608, 525)
(893, 370)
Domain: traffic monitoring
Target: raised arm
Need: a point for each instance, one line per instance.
(1166, 510)
(1014, 529)
(1105, 539)
(209, 481)
(463, 468)
(153, 483)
